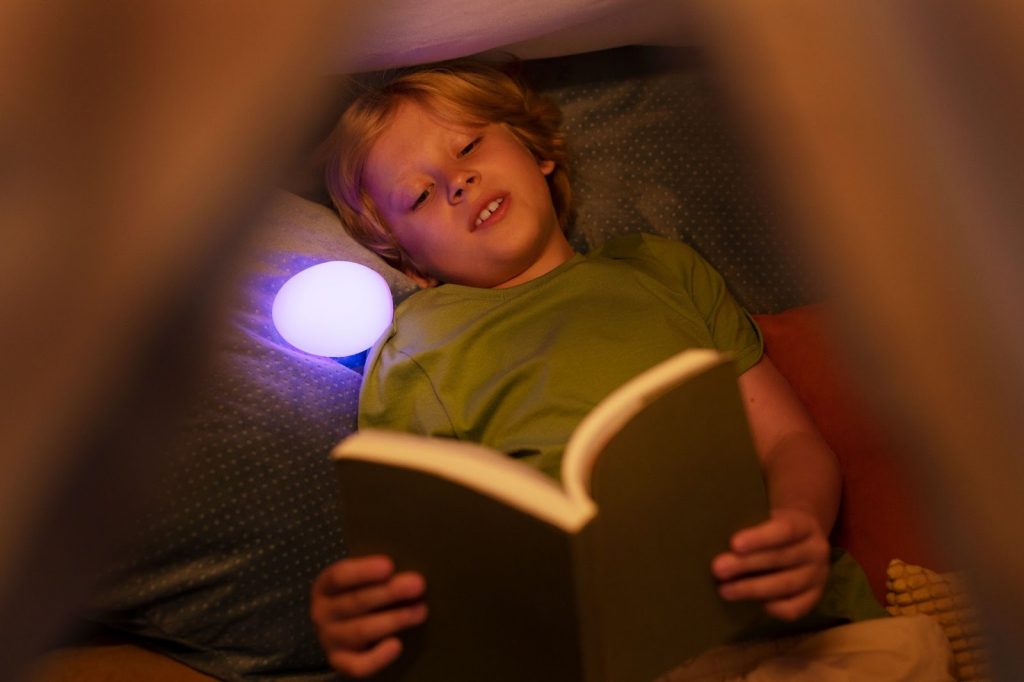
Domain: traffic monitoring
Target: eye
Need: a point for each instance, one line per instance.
(424, 195)
(470, 147)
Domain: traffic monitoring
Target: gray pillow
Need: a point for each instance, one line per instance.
(219, 573)
(655, 151)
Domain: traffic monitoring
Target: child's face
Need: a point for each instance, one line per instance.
(435, 185)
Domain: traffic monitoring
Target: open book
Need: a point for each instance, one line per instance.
(605, 580)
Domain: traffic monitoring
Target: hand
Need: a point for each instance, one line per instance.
(782, 562)
(350, 611)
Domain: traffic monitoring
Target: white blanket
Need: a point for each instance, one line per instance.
(408, 32)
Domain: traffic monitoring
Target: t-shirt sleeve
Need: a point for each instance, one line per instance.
(397, 395)
(731, 327)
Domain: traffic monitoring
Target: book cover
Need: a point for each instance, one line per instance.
(605, 579)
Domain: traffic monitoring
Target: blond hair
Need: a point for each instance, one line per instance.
(462, 92)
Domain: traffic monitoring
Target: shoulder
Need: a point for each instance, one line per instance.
(656, 255)
(638, 244)
(428, 316)
(642, 246)
(429, 324)
(398, 389)
(409, 327)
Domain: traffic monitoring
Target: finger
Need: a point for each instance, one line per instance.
(770, 534)
(776, 585)
(348, 573)
(363, 631)
(791, 608)
(366, 663)
(811, 550)
(401, 587)
(730, 565)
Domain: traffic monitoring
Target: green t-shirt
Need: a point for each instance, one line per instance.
(516, 369)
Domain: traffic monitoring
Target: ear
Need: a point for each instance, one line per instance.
(547, 166)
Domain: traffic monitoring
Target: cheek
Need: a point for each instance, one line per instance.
(416, 238)
(407, 238)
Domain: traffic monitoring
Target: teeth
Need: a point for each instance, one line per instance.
(491, 208)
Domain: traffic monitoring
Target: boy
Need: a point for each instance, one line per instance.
(458, 176)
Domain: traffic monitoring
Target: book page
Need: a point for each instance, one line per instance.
(475, 466)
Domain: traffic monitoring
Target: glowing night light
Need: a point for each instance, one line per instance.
(334, 309)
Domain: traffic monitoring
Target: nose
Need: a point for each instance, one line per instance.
(461, 183)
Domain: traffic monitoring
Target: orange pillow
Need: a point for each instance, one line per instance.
(879, 518)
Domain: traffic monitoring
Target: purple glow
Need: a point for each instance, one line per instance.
(333, 309)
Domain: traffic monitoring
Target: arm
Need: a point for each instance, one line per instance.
(784, 561)
(800, 468)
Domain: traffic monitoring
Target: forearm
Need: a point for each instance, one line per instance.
(801, 472)
(783, 561)
(799, 467)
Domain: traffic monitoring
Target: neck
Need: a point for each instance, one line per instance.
(555, 253)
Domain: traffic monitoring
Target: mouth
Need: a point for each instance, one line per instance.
(490, 213)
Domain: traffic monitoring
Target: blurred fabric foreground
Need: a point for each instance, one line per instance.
(893, 134)
(137, 138)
